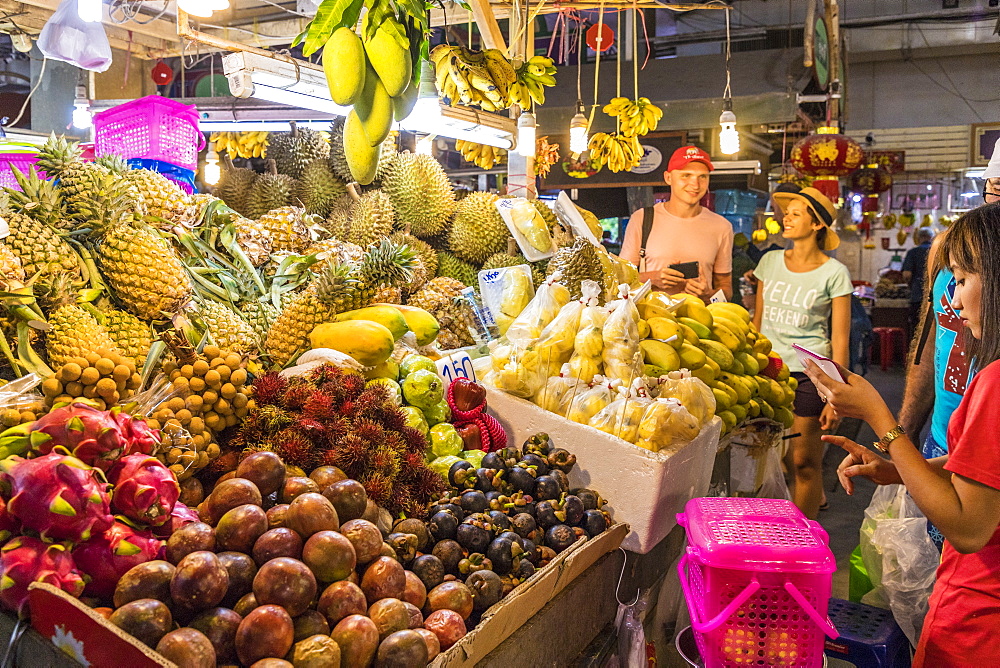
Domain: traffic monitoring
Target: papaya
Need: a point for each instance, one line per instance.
(368, 342)
(424, 325)
(344, 66)
(384, 314)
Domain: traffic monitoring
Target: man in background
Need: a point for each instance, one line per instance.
(914, 271)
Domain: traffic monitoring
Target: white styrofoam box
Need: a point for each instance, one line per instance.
(643, 488)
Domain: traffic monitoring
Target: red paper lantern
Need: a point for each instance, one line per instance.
(161, 74)
(870, 181)
(600, 37)
(826, 156)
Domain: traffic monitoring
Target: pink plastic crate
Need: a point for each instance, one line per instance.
(23, 162)
(153, 128)
(756, 576)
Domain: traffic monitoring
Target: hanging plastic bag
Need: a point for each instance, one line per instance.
(900, 557)
(540, 311)
(588, 345)
(622, 416)
(506, 292)
(621, 355)
(695, 395)
(555, 345)
(585, 405)
(666, 426)
(556, 389)
(67, 37)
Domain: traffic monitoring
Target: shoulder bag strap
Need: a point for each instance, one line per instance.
(647, 227)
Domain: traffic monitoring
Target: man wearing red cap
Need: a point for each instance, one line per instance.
(681, 230)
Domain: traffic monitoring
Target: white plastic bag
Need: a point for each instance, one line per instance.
(553, 395)
(588, 346)
(622, 356)
(899, 556)
(622, 417)
(506, 292)
(67, 37)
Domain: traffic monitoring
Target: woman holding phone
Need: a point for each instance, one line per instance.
(959, 492)
(804, 298)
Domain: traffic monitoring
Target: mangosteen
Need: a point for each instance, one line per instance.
(442, 525)
(493, 498)
(573, 508)
(523, 524)
(591, 499)
(429, 569)
(500, 520)
(484, 480)
(594, 522)
(505, 555)
(548, 514)
(449, 506)
(580, 532)
(525, 569)
(450, 553)
(404, 545)
(536, 462)
(493, 460)
(559, 537)
(416, 527)
(487, 589)
(539, 444)
(548, 554)
(474, 562)
(474, 501)
(475, 534)
(562, 460)
(522, 479)
(560, 478)
(546, 487)
(510, 535)
(461, 475)
(532, 552)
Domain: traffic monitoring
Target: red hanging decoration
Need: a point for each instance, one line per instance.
(600, 37)
(870, 181)
(826, 156)
(162, 74)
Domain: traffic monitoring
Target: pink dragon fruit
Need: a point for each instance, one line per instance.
(9, 526)
(179, 516)
(89, 434)
(145, 490)
(106, 558)
(24, 560)
(140, 438)
(56, 495)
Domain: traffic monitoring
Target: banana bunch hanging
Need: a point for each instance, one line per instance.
(637, 117)
(618, 152)
(532, 78)
(473, 78)
(240, 144)
(481, 155)
(546, 155)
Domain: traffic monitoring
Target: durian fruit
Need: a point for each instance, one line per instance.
(270, 190)
(441, 297)
(421, 194)
(592, 221)
(501, 260)
(293, 151)
(477, 230)
(371, 219)
(338, 160)
(227, 328)
(319, 188)
(132, 336)
(428, 256)
(450, 266)
(235, 185)
(577, 263)
(287, 227)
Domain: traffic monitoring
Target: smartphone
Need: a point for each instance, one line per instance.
(824, 363)
(688, 269)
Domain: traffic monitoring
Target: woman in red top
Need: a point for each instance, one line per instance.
(960, 492)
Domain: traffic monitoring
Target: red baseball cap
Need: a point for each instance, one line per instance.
(686, 154)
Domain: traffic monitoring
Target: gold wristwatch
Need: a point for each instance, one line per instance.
(883, 443)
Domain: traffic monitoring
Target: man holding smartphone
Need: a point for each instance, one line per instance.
(678, 244)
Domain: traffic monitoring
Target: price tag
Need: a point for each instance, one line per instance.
(718, 297)
(454, 366)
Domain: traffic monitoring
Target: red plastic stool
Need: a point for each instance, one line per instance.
(886, 344)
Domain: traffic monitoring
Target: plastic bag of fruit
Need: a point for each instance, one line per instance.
(694, 394)
(553, 394)
(666, 426)
(586, 404)
(621, 354)
(550, 297)
(588, 344)
(506, 292)
(622, 416)
(555, 345)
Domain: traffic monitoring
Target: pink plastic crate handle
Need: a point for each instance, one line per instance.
(825, 625)
(726, 613)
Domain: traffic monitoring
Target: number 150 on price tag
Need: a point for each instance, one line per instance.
(454, 366)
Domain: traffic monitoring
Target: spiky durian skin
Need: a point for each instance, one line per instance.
(293, 151)
(269, 192)
(338, 160)
(75, 333)
(318, 188)
(132, 336)
(371, 219)
(439, 298)
(421, 194)
(577, 263)
(477, 230)
(450, 266)
(428, 256)
(234, 188)
(501, 260)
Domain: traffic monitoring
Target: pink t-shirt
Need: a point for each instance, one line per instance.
(706, 239)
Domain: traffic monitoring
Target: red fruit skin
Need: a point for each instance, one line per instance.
(57, 496)
(140, 438)
(9, 525)
(24, 560)
(179, 516)
(466, 395)
(447, 625)
(93, 436)
(106, 558)
(144, 489)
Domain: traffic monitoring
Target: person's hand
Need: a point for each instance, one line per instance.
(860, 461)
(672, 281)
(855, 398)
(828, 419)
(696, 287)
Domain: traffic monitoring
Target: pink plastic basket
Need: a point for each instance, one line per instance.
(756, 577)
(153, 128)
(23, 162)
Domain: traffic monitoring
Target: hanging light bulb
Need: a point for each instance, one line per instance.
(212, 172)
(218, 5)
(425, 145)
(729, 138)
(195, 8)
(526, 134)
(90, 11)
(82, 118)
(578, 139)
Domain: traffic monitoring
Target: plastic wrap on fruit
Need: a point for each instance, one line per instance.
(515, 295)
(587, 404)
(695, 395)
(622, 356)
(588, 344)
(551, 396)
(555, 345)
(531, 225)
(623, 416)
(550, 297)
(585, 368)
(666, 425)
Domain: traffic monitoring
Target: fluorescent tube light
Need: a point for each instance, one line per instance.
(293, 83)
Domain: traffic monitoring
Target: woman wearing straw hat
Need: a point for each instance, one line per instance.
(804, 298)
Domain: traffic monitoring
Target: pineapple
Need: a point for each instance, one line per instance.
(287, 227)
(40, 199)
(161, 198)
(38, 246)
(340, 288)
(333, 251)
(11, 270)
(227, 328)
(270, 190)
(441, 297)
(260, 316)
(235, 185)
(74, 331)
(132, 336)
(253, 240)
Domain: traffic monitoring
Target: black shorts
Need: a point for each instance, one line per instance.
(807, 400)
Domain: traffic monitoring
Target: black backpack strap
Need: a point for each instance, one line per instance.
(647, 227)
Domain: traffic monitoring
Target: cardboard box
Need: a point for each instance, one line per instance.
(644, 489)
(507, 616)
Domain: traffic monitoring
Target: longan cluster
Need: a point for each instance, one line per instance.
(212, 394)
(106, 377)
(22, 414)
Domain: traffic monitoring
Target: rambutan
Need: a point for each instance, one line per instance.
(325, 373)
(353, 384)
(385, 461)
(251, 448)
(395, 441)
(320, 407)
(267, 389)
(298, 392)
(337, 428)
(352, 455)
(295, 449)
(379, 489)
(224, 463)
(368, 430)
(415, 440)
(376, 394)
(275, 417)
(413, 461)
(426, 485)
